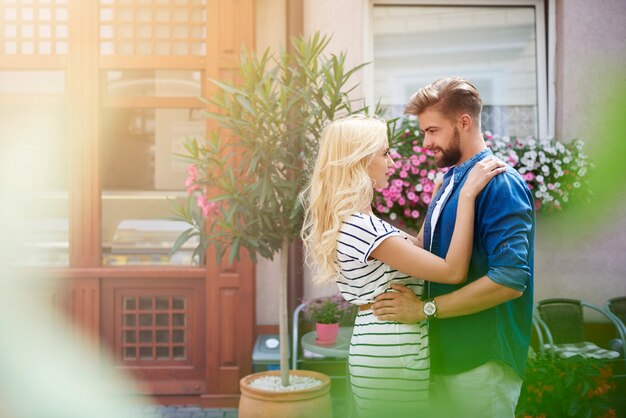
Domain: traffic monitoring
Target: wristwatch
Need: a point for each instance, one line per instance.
(430, 309)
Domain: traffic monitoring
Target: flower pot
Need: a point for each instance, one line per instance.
(326, 333)
(304, 403)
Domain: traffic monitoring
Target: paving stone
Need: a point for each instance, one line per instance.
(208, 413)
(230, 413)
(178, 414)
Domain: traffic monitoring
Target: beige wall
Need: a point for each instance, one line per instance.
(271, 32)
(327, 17)
(587, 266)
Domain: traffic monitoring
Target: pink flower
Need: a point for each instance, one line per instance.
(403, 174)
(411, 196)
(423, 173)
(425, 198)
(550, 186)
(422, 158)
(208, 208)
(402, 201)
(190, 181)
(415, 214)
(407, 212)
(529, 176)
(192, 171)
(396, 182)
(428, 187)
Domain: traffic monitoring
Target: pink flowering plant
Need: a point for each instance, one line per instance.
(412, 181)
(197, 211)
(556, 172)
(327, 309)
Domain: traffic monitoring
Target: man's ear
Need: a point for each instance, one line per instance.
(466, 122)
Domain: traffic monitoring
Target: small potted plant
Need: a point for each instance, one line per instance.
(326, 312)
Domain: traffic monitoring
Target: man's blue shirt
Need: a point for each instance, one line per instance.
(503, 247)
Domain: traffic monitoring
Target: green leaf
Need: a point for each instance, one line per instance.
(182, 239)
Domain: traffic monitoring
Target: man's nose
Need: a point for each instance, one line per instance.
(427, 141)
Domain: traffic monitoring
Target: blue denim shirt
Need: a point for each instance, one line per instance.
(503, 247)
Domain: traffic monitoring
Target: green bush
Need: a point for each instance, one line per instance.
(566, 387)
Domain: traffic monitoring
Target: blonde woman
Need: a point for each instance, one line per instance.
(364, 255)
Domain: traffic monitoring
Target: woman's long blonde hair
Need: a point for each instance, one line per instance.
(339, 186)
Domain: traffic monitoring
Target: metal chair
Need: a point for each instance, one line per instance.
(562, 323)
(616, 309)
(295, 335)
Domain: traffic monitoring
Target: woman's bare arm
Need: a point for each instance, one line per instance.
(414, 260)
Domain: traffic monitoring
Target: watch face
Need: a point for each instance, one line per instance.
(430, 308)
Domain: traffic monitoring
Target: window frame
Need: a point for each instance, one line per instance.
(545, 33)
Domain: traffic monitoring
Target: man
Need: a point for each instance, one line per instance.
(479, 330)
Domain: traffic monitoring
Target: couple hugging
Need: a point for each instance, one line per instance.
(444, 318)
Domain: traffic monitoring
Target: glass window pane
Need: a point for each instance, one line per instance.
(32, 82)
(141, 179)
(34, 161)
(494, 47)
(154, 83)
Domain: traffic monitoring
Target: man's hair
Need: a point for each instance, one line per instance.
(451, 96)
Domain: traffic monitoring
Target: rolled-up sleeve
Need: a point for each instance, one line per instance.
(506, 228)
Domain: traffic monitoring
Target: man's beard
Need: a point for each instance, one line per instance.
(452, 154)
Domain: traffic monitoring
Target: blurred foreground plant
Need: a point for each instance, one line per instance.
(566, 387)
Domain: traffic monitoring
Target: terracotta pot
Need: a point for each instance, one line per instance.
(305, 403)
(326, 333)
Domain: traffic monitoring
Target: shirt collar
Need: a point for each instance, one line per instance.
(460, 170)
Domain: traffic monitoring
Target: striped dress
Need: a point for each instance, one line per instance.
(389, 361)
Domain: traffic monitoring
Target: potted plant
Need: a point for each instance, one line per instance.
(248, 178)
(326, 312)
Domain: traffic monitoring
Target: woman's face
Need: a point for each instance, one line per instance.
(379, 169)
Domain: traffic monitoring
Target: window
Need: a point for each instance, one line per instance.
(33, 139)
(152, 78)
(499, 46)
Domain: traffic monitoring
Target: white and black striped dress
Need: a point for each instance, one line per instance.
(389, 361)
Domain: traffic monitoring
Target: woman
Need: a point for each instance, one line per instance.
(388, 361)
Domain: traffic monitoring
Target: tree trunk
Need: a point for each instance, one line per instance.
(283, 323)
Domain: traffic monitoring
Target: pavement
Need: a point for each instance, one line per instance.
(184, 412)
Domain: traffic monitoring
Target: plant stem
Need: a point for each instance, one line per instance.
(282, 313)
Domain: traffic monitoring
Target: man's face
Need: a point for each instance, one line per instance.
(441, 137)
